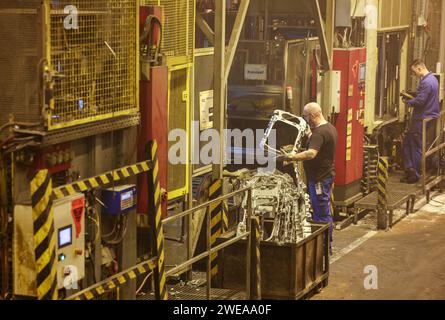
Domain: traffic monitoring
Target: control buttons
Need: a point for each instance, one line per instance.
(62, 257)
(67, 271)
(58, 157)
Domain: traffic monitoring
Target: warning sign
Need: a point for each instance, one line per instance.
(77, 211)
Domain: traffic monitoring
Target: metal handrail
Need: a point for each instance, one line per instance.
(204, 205)
(209, 250)
(431, 151)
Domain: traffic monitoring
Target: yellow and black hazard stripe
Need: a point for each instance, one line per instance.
(382, 173)
(115, 281)
(257, 266)
(225, 216)
(332, 203)
(155, 217)
(215, 191)
(102, 180)
(44, 236)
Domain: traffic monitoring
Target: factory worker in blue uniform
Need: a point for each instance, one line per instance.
(318, 163)
(425, 105)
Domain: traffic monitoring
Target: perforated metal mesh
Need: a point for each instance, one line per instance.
(21, 51)
(177, 120)
(97, 60)
(179, 27)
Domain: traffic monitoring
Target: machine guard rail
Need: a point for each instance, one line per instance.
(209, 250)
(439, 146)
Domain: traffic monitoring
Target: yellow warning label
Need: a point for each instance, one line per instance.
(351, 90)
(349, 142)
(350, 115)
(348, 154)
(349, 129)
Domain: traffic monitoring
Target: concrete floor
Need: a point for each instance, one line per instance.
(409, 259)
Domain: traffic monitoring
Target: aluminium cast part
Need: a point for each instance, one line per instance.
(290, 119)
(274, 195)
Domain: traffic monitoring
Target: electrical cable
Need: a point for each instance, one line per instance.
(92, 264)
(20, 124)
(96, 234)
(147, 33)
(353, 15)
(122, 230)
(115, 232)
(143, 282)
(112, 231)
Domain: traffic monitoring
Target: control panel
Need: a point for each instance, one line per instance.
(69, 229)
(69, 225)
(119, 200)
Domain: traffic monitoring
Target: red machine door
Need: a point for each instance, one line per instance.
(356, 137)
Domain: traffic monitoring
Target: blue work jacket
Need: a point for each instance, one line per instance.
(426, 104)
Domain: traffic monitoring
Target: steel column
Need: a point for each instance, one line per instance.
(219, 84)
(234, 37)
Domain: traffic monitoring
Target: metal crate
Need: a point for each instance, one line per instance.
(95, 64)
(289, 271)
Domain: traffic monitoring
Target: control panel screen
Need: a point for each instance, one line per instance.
(127, 195)
(65, 236)
(362, 75)
(127, 200)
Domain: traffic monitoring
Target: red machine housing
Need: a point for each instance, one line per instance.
(350, 122)
(153, 101)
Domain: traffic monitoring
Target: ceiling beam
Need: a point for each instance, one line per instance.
(325, 30)
(219, 83)
(235, 35)
(205, 28)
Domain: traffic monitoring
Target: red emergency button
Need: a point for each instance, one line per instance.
(78, 252)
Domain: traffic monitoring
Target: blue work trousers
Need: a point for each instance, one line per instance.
(412, 144)
(320, 194)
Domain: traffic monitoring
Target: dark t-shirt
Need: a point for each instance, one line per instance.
(323, 140)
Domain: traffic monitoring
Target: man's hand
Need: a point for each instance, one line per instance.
(285, 158)
(303, 156)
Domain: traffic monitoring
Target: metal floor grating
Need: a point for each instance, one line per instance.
(196, 290)
(397, 192)
(192, 293)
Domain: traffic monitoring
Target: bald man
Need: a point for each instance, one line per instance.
(318, 162)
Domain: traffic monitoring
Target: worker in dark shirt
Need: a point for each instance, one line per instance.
(425, 105)
(318, 163)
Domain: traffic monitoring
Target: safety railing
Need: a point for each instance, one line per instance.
(436, 147)
(42, 193)
(214, 250)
